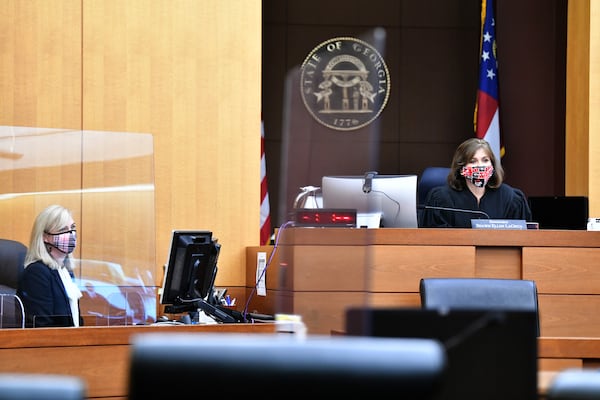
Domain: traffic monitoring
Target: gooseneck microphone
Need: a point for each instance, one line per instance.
(462, 210)
(368, 185)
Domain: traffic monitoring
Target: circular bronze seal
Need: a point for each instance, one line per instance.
(345, 83)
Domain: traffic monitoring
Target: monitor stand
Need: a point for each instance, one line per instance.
(209, 309)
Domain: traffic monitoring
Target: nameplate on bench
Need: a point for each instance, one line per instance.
(498, 224)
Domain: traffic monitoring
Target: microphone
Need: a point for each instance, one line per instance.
(424, 207)
(368, 185)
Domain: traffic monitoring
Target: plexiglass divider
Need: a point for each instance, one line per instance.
(331, 127)
(107, 180)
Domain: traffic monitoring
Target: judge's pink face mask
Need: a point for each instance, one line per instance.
(478, 175)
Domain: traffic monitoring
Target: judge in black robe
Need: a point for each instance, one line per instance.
(505, 202)
(455, 204)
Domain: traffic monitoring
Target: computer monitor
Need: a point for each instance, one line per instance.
(394, 197)
(492, 354)
(559, 212)
(190, 275)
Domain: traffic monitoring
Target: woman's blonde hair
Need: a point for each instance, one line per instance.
(53, 218)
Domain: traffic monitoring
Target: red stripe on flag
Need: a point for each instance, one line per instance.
(486, 108)
(265, 212)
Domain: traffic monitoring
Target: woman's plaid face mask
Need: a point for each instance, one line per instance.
(65, 241)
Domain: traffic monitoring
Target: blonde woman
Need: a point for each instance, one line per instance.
(49, 295)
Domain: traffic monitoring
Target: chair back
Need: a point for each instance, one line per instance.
(480, 293)
(12, 258)
(430, 178)
(276, 365)
(492, 354)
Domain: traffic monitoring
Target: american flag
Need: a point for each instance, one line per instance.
(487, 112)
(265, 211)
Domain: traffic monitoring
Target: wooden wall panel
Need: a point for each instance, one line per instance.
(40, 86)
(340, 268)
(563, 263)
(40, 60)
(577, 100)
(498, 263)
(189, 74)
(573, 315)
(394, 268)
(100, 356)
(81, 361)
(323, 312)
(395, 300)
(556, 271)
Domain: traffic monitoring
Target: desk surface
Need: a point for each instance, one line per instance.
(109, 335)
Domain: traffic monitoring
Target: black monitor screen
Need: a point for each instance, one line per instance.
(191, 267)
(560, 212)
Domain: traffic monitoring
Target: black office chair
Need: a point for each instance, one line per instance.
(37, 386)
(575, 384)
(12, 258)
(430, 178)
(480, 293)
(279, 365)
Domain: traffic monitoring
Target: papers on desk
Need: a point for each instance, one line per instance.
(261, 266)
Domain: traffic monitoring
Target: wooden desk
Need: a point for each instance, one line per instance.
(584, 351)
(558, 353)
(100, 355)
(322, 271)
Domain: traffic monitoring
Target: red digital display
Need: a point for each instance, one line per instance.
(325, 217)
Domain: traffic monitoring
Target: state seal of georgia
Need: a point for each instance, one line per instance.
(345, 83)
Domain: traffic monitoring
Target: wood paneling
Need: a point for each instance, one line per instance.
(98, 355)
(561, 262)
(41, 64)
(393, 268)
(187, 72)
(569, 314)
(578, 151)
(498, 263)
(560, 271)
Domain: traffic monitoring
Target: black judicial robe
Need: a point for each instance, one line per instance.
(505, 202)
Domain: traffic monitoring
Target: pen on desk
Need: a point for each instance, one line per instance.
(228, 300)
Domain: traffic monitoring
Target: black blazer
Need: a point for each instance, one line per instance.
(44, 297)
